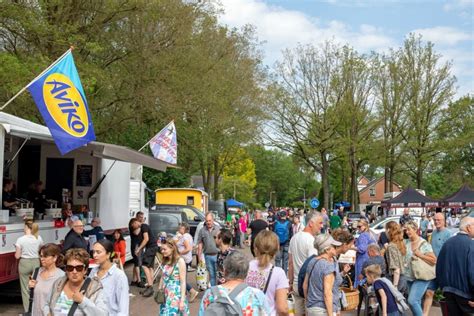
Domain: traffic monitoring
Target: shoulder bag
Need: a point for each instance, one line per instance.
(84, 287)
(421, 269)
(32, 293)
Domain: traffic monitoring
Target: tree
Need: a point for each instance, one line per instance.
(309, 89)
(239, 178)
(430, 87)
(357, 126)
(391, 98)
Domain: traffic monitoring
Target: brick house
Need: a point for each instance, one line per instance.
(373, 191)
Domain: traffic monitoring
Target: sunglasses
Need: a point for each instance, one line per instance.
(70, 268)
(359, 226)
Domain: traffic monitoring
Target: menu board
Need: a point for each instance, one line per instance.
(84, 176)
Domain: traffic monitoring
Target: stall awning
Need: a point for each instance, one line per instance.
(17, 126)
(116, 152)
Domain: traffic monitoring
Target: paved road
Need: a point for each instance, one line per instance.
(139, 305)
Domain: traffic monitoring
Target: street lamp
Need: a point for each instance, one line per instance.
(304, 197)
(271, 201)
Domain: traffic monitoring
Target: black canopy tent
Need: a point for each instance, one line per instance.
(464, 197)
(410, 198)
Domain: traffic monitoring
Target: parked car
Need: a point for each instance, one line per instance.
(166, 221)
(191, 214)
(379, 226)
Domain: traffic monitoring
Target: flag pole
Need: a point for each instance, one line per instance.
(32, 81)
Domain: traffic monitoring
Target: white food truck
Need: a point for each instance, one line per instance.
(105, 177)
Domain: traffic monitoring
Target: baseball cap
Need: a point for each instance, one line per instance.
(282, 214)
(323, 241)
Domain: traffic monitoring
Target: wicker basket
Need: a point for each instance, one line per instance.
(352, 296)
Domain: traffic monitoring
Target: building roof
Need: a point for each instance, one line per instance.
(374, 182)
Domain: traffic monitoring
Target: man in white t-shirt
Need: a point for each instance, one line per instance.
(301, 247)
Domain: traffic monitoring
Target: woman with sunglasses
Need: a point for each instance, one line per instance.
(113, 279)
(361, 244)
(68, 290)
(51, 258)
(173, 280)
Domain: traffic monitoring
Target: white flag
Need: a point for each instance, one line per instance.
(164, 145)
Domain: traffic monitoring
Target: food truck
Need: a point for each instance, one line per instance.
(104, 177)
(183, 196)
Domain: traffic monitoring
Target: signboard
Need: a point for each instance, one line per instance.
(267, 204)
(84, 175)
(314, 203)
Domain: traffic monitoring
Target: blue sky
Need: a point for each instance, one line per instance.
(367, 25)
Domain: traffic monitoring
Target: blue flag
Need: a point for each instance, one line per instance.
(61, 101)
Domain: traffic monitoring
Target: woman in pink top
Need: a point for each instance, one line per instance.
(264, 276)
(243, 229)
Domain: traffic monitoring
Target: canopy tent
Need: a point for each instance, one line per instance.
(234, 203)
(343, 204)
(410, 198)
(464, 197)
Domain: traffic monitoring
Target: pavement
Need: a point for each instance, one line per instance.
(141, 306)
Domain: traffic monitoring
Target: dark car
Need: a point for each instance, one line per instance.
(192, 215)
(353, 218)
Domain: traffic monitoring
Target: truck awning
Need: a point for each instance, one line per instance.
(17, 126)
(116, 152)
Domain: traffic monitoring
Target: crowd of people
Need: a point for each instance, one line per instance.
(295, 267)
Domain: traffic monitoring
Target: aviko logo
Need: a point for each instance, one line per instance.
(65, 104)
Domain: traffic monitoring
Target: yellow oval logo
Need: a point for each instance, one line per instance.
(65, 104)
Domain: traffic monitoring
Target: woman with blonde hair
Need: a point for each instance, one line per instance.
(173, 280)
(394, 254)
(363, 241)
(27, 250)
(417, 248)
(263, 275)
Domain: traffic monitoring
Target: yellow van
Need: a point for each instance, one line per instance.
(183, 196)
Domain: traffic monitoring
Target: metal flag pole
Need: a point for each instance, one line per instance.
(32, 81)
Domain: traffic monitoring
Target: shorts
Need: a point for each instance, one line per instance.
(433, 285)
(136, 261)
(148, 259)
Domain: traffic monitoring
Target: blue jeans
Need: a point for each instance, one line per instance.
(281, 259)
(211, 266)
(416, 291)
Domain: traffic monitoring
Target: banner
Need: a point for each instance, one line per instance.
(164, 145)
(59, 96)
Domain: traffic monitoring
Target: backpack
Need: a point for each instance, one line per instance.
(223, 305)
(302, 274)
(399, 298)
(282, 231)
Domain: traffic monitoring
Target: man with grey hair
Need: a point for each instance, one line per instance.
(207, 246)
(96, 233)
(455, 272)
(301, 247)
(373, 250)
(439, 236)
(74, 237)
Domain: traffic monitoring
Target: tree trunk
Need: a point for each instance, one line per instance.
(353, 187)
(325, 180)
(216, 180)
(419, 174)
(386, 183)
(344, 184)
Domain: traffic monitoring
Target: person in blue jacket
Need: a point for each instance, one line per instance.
(455, 270)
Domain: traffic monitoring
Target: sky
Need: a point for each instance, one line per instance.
(366, 25)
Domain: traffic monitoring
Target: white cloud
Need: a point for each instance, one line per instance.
(458, 4)
(281, 28)
(444, 35)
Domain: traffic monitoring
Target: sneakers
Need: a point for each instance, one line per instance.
(192, 295)
(148, 292)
